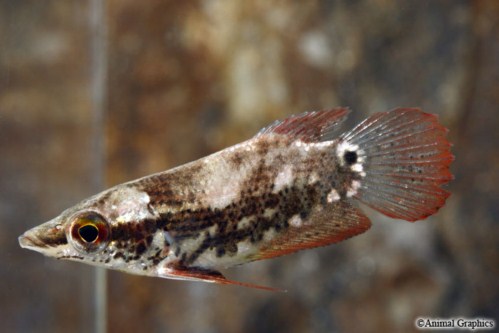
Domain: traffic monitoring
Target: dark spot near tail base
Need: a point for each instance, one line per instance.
(350, 157)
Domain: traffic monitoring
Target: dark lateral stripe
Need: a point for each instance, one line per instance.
(137, 237)
(134, 231)
(50, 240)
(287, 203)
(188, 222)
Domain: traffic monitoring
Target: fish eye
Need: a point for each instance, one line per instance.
(89, 232)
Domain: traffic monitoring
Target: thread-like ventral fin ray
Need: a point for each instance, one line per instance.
(326, 225)
(312, 126)
(407, 159)
(211, 276)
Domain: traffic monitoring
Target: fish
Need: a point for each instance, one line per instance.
(297, 184)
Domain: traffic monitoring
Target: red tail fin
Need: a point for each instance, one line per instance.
(406, 157)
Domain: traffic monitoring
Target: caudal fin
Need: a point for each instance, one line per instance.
(405, 156)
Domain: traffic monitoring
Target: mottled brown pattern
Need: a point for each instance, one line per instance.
(173, 96)
(168, 195)
(132, 240)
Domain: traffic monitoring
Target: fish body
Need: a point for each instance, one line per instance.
(289, 188)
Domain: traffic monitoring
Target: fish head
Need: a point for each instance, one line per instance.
(69, 236)
(105, 230)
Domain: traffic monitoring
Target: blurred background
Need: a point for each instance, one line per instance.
(94, 93)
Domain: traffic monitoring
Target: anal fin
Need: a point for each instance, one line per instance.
(326, 225)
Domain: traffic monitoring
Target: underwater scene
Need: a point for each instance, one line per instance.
(331, 166)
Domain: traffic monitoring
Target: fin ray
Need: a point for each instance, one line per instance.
(312, 126)
(326, 225)
(210, 276)
(380, 122)
(407, 158)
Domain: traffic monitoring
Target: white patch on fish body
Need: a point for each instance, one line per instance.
(357, 167)
(129, 204)
(222, 188)
(353, 189)
(284, 178)
(244, 247)
(302, 148)
(220, 192)
(159, 239)
(313, 178)
(223, 181)
(323, 144)
(269, 212)
(189, 245)
(212, 230)
(244, 223)
(296, 221)
(333, 196)
(269, 235)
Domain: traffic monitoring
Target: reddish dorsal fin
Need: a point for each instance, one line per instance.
(406, 156)
(309, 126)
(325, 225)
(208, 275)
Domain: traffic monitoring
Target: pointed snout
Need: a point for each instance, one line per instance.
(29, 240)
(40, 238)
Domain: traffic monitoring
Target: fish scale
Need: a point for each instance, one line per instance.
(251, 205)
(289, 188)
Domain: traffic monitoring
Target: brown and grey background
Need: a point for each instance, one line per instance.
(187, 78)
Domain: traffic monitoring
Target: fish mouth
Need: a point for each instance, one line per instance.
(30, 241)
(44, 237)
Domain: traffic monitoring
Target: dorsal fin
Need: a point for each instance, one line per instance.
(312, 126)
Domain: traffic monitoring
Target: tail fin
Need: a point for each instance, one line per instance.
(405, 156)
